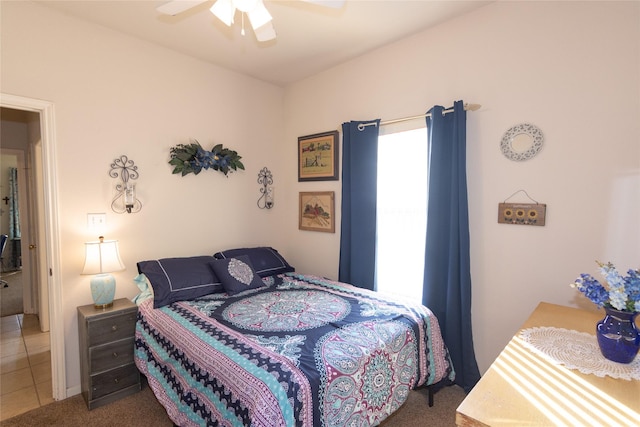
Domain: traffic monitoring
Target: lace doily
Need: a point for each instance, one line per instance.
(576, 350)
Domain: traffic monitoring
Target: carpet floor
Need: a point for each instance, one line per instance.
(11, 296)
(142, 409)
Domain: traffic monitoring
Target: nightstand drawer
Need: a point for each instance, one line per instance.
(111, 355)
(112, 328)
(114, 380)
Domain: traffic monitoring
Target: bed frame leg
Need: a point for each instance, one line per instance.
(430, 390)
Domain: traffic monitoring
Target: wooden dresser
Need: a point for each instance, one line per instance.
(107, 368)
(522, 388)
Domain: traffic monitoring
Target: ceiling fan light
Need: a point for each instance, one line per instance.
(224, 10)
(259, 16)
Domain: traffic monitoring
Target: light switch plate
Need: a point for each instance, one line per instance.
(96, 221)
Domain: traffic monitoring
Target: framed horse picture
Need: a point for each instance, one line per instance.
(318, 157)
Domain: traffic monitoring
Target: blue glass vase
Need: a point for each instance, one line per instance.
(618, 336)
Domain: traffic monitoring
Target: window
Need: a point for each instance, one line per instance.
(401, 213)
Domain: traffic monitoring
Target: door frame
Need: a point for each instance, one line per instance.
(50, 236)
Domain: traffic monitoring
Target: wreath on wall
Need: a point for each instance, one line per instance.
(192, 158)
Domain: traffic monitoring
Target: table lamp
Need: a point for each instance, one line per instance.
(101, 258)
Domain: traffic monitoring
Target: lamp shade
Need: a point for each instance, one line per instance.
(102, 257)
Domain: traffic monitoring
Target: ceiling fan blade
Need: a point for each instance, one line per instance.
(259, 15)
(265, 32)
(175, 7)
(336, 4)
(224, 10)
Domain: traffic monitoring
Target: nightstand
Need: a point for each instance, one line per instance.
(107, 368)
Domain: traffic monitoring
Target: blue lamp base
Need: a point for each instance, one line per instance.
(103, 290)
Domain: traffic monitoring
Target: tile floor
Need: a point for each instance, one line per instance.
(25, 373)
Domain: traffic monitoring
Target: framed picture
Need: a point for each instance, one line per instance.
(318, 157)
(317, 211)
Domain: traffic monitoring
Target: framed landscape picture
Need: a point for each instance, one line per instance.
(318, 157)
(317, 211)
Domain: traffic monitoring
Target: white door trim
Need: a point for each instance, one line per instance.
(50, 235)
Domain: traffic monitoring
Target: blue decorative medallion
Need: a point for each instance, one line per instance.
(286, 310)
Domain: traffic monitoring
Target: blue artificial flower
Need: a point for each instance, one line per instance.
(224, 163)
(196, 166)
(205, 158)
(611, 275)
(592, 289)
(621, 292)
(632, 285)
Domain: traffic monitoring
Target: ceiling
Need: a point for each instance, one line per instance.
(310, 38)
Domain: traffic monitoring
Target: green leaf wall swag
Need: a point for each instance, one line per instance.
(192, 158)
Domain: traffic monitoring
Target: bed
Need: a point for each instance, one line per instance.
(235, 342)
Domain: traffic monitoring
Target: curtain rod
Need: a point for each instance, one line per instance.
(467, 107)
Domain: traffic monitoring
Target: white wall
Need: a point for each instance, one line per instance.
(572, 69)
(116, 95)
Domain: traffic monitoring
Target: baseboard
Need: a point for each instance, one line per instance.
(72, 391)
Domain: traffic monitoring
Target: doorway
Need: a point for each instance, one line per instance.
(26, 344)
(20, 292)
(44, 226)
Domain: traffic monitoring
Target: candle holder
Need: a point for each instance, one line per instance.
(265, 178)
(125, 199)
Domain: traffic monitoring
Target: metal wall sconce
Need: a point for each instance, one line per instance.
(265, 179)
(125, 190)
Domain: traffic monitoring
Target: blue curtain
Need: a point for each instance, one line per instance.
(14, 209)
(359, 197)
(447, 275)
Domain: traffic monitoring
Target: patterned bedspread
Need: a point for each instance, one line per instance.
(303, 351)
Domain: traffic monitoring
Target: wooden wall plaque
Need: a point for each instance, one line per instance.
(522, 213)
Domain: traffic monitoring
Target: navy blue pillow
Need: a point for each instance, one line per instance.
(266, 261)
(237, 274)
(180, 279)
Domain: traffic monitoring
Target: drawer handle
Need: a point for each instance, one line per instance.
(114, 328)
(115, 354)
(116, 380)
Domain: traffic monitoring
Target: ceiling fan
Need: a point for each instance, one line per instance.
(225, 10)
